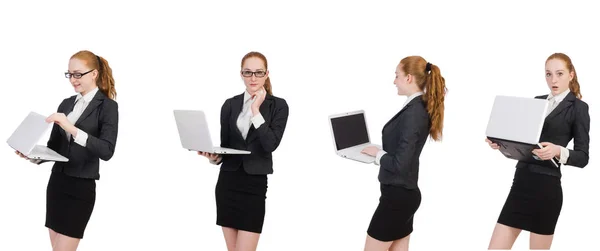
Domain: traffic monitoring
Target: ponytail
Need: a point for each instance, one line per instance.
(435, 86)
(268, 86)
(428, 78)
(574, 86)
(105, 80)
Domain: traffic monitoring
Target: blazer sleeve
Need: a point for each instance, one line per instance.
(270, 135)
(579, 156)
(411, 130)
(103, 146)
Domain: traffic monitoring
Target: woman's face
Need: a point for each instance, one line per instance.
(254, 74)
(403, 82)
(81, 77)
(558, 76)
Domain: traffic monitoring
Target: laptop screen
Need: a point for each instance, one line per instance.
(349, 131)
(29, 132)
(517, 119)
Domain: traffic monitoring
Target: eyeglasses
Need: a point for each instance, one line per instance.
(258, 74)
(76, 75)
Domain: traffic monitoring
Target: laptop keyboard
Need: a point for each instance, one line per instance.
(363, 157)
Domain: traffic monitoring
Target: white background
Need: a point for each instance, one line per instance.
(325, 58)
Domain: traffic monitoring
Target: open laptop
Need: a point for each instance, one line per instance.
(194, 133)
(516, 124)
(351, 136)
(25, 138)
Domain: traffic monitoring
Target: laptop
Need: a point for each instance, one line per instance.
(516, 124)
(194, 133)
(25, 138)
(350, 136)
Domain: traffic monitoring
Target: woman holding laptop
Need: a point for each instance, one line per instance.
(85, 131)
(535, 199)
(254, 121)
(403, 139)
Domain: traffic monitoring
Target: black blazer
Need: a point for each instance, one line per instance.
(403, 139)
(100, 121)
(569, 120)
(261, 141)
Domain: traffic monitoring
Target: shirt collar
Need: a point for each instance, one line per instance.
(246, 96)
(411, 97)
(559, 97)
(88, 97)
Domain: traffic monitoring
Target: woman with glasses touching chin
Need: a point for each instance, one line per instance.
(254, 121)
(84, 131)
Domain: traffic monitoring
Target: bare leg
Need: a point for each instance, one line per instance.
(400, 245)
(504, 237)
(65, 243)
(230, 237)
(52, 237)
(538, 241)
(372, 244)
(247, 241)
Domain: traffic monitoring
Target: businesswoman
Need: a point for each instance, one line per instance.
(255, 121)
(403, 139)
(535, 198)
(84, 131)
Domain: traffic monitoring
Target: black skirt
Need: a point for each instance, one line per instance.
(534, 202)
(393, 218)
(69, 204)
(241, 200)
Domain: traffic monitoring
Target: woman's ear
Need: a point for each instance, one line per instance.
(95, 74)
(571, 76)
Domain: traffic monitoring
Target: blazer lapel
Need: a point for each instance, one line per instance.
(236, 107)
(568, 101)
(98, 98)
(265, 111)
(416, 99)
(70, 104)
(251, 135)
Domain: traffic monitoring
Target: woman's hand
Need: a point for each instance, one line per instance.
(22, 155)
(492, 144)
(548, 152)
(259, 97)
(370, 150)
(61, 120)
(210, 156)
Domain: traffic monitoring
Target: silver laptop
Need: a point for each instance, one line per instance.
(516, 124)
(350, 135)
(25, 138)
(194, 133)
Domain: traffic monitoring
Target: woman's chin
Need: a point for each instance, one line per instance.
(253, 88)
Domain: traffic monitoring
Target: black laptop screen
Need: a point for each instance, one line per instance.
(349, 131)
